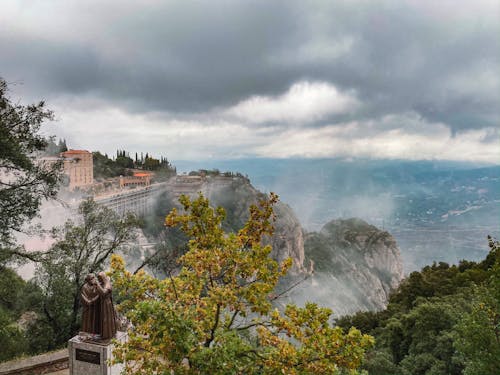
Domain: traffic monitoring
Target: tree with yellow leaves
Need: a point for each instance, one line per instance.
(216, 315)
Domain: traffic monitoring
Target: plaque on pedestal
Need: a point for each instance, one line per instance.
(89, 357)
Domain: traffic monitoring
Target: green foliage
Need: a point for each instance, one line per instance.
(11, 289)
(12, 339)
(478, 332)
(18, 299)
(441, 320)
(380, 362)
(24, 182)
(106, 167)
(123, 164)
(80, 248)
(216, 315)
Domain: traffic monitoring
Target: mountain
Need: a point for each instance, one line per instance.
(355, 264)
(436, 210)
(235, 194)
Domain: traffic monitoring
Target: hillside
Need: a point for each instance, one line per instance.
(441, 320)
(436, 210)
(355, 264)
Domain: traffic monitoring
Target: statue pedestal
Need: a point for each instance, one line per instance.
(91, 357)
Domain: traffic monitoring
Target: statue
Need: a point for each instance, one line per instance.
(91, 306)
(98, 315)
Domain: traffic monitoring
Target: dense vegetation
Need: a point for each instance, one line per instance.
(442, 320)
(42, 314)
(216, 315)
(122, 164)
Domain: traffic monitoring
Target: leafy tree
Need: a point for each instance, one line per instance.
(12, 340)
(80, 248)
(478, 333)
(441, 320)
(24, 182)
(124, 160)
(106, 167)
(216, 316)
(18, 306)
(151, 164)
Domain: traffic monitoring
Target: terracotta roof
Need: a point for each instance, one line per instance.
(142, 174)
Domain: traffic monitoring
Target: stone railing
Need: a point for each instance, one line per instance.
(36, 365)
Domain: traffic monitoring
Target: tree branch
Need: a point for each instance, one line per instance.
(214, 327)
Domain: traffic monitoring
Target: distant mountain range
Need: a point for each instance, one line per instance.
(436, 210)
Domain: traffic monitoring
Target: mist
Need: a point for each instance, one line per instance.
(36, 238)
(436, 210)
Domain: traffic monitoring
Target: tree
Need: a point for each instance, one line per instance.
(80, 248)
(216, 316)
(478, 333)
(123, 159)
(12, 340)
(24, 182)
(151, 164)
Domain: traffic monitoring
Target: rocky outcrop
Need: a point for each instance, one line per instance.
(288, 238)
(236, 194)
(356, 266)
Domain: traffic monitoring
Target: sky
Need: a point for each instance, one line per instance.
(197, 80)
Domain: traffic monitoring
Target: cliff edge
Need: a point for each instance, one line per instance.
(356, 266)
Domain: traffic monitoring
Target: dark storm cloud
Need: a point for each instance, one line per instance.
(440, 61)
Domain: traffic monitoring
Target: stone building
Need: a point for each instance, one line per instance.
(138, 179)
(79, 167)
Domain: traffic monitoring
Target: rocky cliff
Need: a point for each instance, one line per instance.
(356, 266)
(236, 195)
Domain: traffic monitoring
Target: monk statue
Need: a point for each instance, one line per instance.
(91, 306)
(99, 315)
(108, 319)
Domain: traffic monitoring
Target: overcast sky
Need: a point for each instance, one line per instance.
(229, 79)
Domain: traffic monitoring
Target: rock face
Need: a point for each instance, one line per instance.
(236, 198)
(236, 194)
(356, 266)
(288, 239)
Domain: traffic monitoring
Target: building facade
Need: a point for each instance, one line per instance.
(138, 179)
(79, 167)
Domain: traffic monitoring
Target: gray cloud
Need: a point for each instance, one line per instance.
(440, 61)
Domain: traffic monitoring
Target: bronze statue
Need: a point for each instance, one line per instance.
(91, 306)
(107, 314)
(98, 315)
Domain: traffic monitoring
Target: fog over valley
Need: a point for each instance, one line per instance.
(437, 211)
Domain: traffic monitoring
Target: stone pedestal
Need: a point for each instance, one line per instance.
(92, 357)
